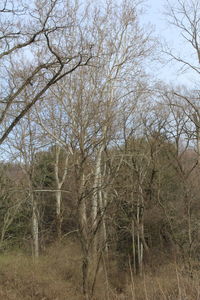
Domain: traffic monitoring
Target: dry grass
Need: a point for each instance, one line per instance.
(57, 276)
(170, 282)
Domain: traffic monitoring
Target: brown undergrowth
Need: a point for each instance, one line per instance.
(57, 276)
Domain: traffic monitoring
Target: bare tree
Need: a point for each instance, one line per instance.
(40, 44)
(12, 200)
(185, 17)
(25, 143)
(86, 114)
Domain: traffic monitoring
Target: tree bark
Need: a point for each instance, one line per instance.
(59, 184)
(35, 226)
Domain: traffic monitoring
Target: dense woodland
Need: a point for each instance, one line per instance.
(100, 161)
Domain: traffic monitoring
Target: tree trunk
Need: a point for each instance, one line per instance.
(35, 227)
(59, 184)
(103, 230)
(133, 247)
(95, 199)
(58, 213)
(84, 238)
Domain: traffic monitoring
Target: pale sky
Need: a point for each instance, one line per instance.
(155, 15)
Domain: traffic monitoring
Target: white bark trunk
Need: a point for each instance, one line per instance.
(95, 199)
(105, 237)
(133, 247)
(58, 213)
(103, 230)
(83, 211)
(58, 202)
(35, 227)
(138, 237)
(96, 187)
(59, 184)
(141, 239)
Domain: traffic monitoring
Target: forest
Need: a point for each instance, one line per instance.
(100, 159)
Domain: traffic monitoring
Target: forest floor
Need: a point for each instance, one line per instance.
(57, 276)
